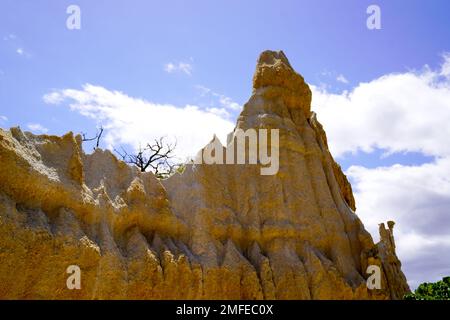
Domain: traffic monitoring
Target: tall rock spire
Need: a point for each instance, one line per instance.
(214, 231)
(276, 79)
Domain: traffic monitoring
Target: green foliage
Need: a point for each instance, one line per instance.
(176, 168)
(432, 291)
(180, 169)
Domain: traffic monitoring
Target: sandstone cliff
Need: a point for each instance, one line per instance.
(214, 231)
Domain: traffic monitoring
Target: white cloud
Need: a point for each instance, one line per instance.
(417, 198)
(3, 118)
(203, 90)
(10, 36)
(185, 67)
(21, 52)
(53, 98)
(16, 44)
(403, 112)
(398, 112)
(224, 101)
(170, 67)
(178, 67)
(445, 70)
(342, 79)
(221, 112)
(228, 103)
(133, 121)
(36, 127)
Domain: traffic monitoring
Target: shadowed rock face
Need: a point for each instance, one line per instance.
(214, 231)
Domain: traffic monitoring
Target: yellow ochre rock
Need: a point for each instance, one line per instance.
(212, 232)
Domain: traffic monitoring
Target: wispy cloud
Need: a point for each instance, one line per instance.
(222, 100)
(37, 127)
(9, 37)
(53, 97)
(21, 52)
(328, 80)
(3, 118)
(16, 44)
(342, 79)
(132, 121)
(183, 67)
(445, 70)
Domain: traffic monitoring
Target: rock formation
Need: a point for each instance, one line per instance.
(215, 231)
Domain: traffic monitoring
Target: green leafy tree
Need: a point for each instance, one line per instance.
(432, 291)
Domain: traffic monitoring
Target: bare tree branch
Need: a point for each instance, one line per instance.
(155, 157)
(97, 137)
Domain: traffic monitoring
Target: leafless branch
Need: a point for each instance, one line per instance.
(97, 137)
(155, 157)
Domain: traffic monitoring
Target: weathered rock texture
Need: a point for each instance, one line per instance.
(214, 231)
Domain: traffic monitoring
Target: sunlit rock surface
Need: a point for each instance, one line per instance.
(212, 232)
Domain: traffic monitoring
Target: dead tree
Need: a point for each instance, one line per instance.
(155, 157)
(97, 137)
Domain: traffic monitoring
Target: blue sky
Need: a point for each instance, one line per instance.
(166, 56)
(123, 45)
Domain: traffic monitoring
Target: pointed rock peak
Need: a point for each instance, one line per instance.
(270, 58)
(273, 69)
(275, 78)
(391, 225)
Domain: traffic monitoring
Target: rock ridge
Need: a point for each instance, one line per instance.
(212, 232)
